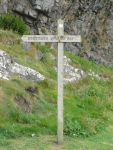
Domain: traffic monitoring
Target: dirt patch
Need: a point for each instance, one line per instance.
(30, 90)
(22, 103)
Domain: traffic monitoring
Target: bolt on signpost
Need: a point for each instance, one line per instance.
(60, 39)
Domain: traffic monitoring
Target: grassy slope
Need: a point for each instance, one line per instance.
(88, 104)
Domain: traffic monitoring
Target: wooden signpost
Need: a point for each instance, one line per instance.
(60, 39)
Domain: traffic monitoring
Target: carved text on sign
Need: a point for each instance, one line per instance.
(51, 38)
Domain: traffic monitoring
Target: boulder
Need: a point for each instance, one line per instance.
(8, 67)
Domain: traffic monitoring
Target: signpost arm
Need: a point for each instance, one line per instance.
(60, 84)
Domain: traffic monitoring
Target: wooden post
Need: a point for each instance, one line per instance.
(60, 84)
(60, 39)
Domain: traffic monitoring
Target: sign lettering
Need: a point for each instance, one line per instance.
(51, 38)
(69, 38)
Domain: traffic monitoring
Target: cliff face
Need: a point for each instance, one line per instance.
(93, 19)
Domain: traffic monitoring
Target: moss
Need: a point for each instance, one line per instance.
(43, 30)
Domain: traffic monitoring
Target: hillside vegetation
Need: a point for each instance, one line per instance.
(27, 108)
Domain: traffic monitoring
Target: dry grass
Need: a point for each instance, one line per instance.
(1, 94)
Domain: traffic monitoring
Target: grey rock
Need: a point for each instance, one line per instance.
(7, 67)
(98, 5)
(39, 55)
(23, 8)
(3, 8)
(26, 73)
(19, 8)
(44, 19)
(72, 74)
(29, 22)
(26, 45)
(32, 13)
(72, 49)
(42, 5)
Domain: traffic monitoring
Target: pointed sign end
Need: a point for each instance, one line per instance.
(22, 38)
(80, 38)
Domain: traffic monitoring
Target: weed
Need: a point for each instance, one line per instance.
(43, 30)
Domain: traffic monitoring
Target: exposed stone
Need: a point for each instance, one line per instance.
(8, 67)
(42, 5)
(99, 4)
(3, 6)
(23, 10)
(3, 9)
(72, 74)
(26, 45)
(72, 49)
(39, 55)
(93, 19)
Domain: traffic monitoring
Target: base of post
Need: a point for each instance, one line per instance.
(60, 142)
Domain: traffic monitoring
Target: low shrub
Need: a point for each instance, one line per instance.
(11, 22)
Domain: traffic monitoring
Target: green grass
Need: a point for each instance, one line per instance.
(101, 141)
(88, 103)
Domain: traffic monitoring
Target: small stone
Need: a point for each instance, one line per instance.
(25, 45)
(33, 135)
(39, 55)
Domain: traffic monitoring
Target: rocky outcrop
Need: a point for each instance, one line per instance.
(93, 19)
(3, 6)
(42, 5)
(71, 73)
(8, 67)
